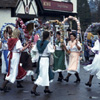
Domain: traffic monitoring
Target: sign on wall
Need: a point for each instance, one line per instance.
(57, 6)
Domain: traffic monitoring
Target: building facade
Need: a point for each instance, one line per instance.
(30, 9)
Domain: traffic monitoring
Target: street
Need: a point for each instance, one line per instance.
(35, 30)
(61, 91)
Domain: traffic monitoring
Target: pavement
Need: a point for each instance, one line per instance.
(61, 90)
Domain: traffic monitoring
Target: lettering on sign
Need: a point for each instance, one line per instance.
(62, 6)
(57, 6)
(47, 4)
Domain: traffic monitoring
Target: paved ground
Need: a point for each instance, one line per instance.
(61, 91)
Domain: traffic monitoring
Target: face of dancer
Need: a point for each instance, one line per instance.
(51, 34)
(72, 37)
(5, 35)
(58, 36)
(9, 30)
(69, 32)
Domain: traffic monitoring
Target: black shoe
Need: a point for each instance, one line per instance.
(35, 93)
(77, 81)
(7, 88)
(59, 79)
(4, 90)
(47, 91)
(32, 79)
(66, 79)
(88, 84)
(19, 86)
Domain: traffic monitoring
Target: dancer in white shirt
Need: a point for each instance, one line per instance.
(94, 68)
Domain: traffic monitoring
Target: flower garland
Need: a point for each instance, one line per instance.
(88, 29)
(78, 25)
(20, 22)
(75, 19)
(32, 21)
(61, 26)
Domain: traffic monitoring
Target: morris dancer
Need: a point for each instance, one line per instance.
(15, 71)
(45, 75)
(4, 68)
(60, 62)
(74, 47)
(26, 60)
(94, 68)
